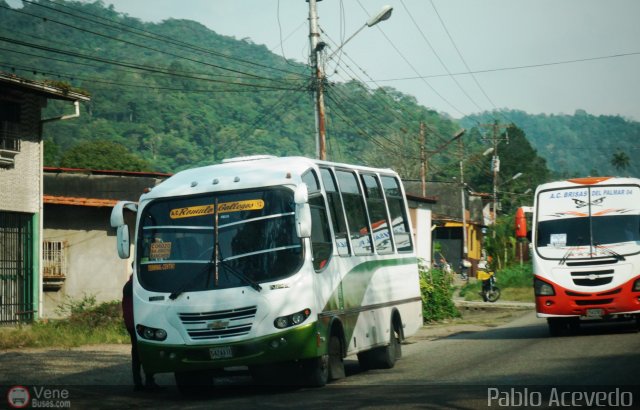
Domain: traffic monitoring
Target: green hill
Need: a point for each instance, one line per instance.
(176, 94)
(579, 144)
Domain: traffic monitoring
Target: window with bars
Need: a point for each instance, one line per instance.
(9, 132)
(53, 259)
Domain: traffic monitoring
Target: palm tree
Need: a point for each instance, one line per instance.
(620, 160)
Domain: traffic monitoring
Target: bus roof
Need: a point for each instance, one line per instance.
(244, 173)
(588, 181)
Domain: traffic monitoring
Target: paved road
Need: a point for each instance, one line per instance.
(445, 366)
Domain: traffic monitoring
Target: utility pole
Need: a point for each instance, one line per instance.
(316, 47)
(464, 205)
(495, 164)
(423, 160)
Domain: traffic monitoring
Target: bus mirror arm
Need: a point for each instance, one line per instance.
(303, 220)
(123, 241)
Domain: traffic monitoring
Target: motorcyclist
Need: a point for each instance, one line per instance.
(484, 275)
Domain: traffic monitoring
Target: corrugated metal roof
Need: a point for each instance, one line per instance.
(76, 201)
(39, 87)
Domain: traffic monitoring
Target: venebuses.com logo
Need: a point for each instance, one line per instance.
(20, 397)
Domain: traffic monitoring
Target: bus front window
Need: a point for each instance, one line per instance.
(187, 244)
(588, 222)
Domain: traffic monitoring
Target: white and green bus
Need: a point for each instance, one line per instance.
(275, 264)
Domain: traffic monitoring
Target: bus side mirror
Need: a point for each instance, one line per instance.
(122, 230)
(303, 211)
(123, 244)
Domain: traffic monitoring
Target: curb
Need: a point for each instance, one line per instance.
(474, 305)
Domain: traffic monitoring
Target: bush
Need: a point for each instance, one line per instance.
(87, 323)
(437, 295)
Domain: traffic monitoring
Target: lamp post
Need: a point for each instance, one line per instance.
(318, 72)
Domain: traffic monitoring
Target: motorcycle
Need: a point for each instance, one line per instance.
(490, 292)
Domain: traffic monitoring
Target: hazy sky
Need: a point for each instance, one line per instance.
(518, 49)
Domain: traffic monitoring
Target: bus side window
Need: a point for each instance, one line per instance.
(356, 213)
(377, 214)
(321, 243)
(336, 212)
(397, 210)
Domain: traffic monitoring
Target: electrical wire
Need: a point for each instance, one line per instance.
(148, 34)
(216, 66)
(446, 68)
(128, 65)
(443, 98)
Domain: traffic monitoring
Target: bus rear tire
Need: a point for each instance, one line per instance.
(384, 357)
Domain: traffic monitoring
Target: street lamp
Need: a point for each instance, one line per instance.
(318, 72)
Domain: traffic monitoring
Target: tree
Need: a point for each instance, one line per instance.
(620, 161)
(101, 154)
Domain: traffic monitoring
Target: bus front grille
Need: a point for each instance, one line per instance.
(219, 324)
(592, 278)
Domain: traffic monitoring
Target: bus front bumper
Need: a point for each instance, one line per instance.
(621, 300)
(301, 342)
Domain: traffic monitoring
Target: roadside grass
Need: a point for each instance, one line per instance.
(87, 323)
(515, 283)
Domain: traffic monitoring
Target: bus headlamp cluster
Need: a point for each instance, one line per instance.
(542, 288)
(636, 286)
(292, 319)
(151, 333)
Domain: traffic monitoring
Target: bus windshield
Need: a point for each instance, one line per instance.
(218, 240)
(588, 222)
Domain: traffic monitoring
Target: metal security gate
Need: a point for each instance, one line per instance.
(16, 267)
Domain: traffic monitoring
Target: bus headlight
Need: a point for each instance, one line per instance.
(636, 286)
(151, 333)
(292, 319)
(542, 288)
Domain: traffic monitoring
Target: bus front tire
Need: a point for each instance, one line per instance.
(320, 370)
(561, 326)
(194, 383)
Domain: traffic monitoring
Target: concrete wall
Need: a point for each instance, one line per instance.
(20, 187)
(93, 265)
(421, 219)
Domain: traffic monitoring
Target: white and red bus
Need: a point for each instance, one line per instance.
(586, 251)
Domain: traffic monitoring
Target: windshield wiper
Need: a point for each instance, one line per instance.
(174, 295)
(240, 275)
(565, 256)
(609, 251)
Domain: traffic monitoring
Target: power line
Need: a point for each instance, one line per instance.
(141, 46)
(414, 69)
(520, 67)
(127, 65)
(424, 37)
(93, 81)
(152, 35)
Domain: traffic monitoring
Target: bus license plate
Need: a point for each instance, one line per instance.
(595, 313)
(223, 352)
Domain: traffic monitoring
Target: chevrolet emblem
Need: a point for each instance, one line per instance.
(218, 324)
